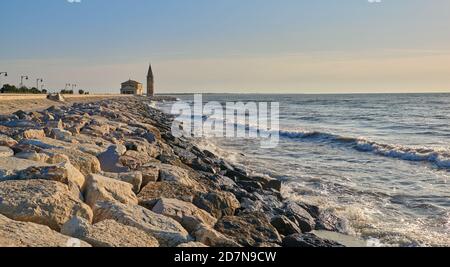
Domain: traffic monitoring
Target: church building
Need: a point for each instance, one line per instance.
(131, 87)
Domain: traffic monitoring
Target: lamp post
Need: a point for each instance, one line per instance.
(73, 87)
(4, 74)
(21, 79)
(39, 80)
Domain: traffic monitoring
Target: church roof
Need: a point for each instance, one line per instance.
(131, 82)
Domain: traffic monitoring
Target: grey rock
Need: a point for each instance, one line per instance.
(308, 241)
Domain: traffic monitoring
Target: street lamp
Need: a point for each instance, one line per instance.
(4, 74)
(74, 86)
(21, 79)
(38, 81)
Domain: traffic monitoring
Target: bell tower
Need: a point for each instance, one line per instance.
(150, 82)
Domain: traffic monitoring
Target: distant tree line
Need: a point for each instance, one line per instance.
(11, 89)
(70, 92)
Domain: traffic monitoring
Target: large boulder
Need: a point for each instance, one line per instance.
(248, 229)
(329, 221)
(183, 212)
(34, 156)
(219, 204)
(154, 191)
(108, 233)
(84, 162)
(136, 159)
(166, 230)
(100, 188)
(7, 141)
(110, 159)
(133, 178)
(149, 175)
(40, 201)
(61, 134)
(6, 152)
(210, 237)
(304, 220)
(308, 240)
(25, 234)
(33, 134)
(285, 226)
(170, 173)
(64, 173)
(10, 165)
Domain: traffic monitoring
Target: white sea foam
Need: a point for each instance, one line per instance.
(439, 157)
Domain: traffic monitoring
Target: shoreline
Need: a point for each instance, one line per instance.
(115, 176)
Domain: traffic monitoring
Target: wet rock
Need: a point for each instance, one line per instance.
(304, 220)
(179, 211)
(219, 204)
(133, 178)
(25, 234)
(200, 165)
(110, 159)
(100, 188)
(166, 230)
(285, 226)
(108, 233)
(248, 229)
(251, 186)
(331, 222)
(6, 152)
(308, 241)
(40, 201)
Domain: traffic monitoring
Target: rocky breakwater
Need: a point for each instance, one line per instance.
(110, 174)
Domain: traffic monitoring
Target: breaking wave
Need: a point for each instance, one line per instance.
(438, 157)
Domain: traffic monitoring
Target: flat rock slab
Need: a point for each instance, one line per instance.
(23, 234)
(43, 202)
(100, 188)
(10, 165)
(168, 231)
(108, 233)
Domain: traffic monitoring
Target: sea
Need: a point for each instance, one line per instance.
(382, 161)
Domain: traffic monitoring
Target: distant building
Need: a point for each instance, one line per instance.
(150, 82)
(131, 87)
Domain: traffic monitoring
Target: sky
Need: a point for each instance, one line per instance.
(231, 46)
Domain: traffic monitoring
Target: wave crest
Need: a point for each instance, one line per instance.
(439, 157)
